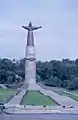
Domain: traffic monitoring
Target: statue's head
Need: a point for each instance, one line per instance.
(30, 23)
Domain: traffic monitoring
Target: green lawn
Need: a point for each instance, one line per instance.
(6, 94)
(36, 98)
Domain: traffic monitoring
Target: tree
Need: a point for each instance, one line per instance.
(54, 73)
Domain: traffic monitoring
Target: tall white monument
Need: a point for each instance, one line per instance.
(30, 59)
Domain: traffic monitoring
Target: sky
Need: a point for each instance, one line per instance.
(58, 37)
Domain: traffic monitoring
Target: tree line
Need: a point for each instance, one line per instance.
(58, 73)
(51, 73)
(11, 71)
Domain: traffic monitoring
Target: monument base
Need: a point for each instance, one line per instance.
(33, 86)
(25, 86)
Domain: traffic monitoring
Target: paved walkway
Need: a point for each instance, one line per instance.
(17, 98)
(21, 110)
(61, 100)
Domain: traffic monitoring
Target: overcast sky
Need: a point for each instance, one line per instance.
(56, 40)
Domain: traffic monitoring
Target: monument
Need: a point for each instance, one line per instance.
(30, 59)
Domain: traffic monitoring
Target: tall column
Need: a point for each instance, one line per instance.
(30, 59)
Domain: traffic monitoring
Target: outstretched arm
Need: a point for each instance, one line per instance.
(31, 27)
(26, 27)
(35, 28)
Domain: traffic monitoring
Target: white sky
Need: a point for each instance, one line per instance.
(56, 40)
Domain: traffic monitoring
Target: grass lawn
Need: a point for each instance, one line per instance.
(36, 98)
(6, 94)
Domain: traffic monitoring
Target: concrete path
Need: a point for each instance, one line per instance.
(17, 98)
(34, 87)
(39, 109)
(56, 89)
(62, 100)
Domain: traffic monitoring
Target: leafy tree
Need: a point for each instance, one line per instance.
(54, 73)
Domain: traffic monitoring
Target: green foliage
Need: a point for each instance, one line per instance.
(54, 73)
(59, 73)
(9, 69)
